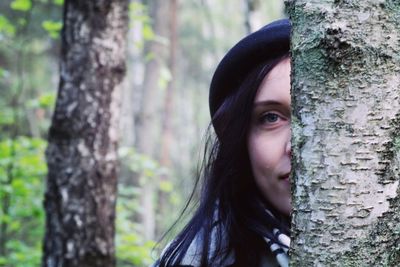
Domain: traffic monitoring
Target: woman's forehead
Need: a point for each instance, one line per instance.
(276, 85)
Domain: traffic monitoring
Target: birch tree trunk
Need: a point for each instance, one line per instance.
(346, 132)
(81, 155)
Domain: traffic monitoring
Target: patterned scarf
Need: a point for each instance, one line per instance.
(193, 254)
(280, 251)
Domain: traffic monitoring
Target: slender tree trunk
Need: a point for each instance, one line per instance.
(81, 155)
(168, 100)
(250, 7)
(346, 133)
(131, 91)
(149, 123)
(167, 128)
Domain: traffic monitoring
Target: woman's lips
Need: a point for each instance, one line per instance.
(285, 179)
(285, 176)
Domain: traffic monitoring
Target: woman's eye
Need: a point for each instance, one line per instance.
(269, 118)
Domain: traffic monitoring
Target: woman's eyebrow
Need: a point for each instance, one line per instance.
(268, 103)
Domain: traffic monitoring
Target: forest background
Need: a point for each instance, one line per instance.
(157, 173)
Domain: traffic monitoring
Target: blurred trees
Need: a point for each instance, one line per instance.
(148, 121)
(185, 49)
(29, 52)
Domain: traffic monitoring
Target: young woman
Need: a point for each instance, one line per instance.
(243, 214)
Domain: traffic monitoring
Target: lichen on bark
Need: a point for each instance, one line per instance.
(345, 95)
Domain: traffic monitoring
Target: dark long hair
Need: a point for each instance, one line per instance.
(231, 216)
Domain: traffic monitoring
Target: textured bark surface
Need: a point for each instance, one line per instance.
(81, 155)
(346, 132)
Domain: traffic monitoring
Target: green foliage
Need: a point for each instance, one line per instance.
(6, 27)
(165, 78)
(58, 2)
(28, 71)
(46, 100)
(23, 255)
(25, 76)
(21, 5)
(166, 186)
(6, 116)
(22, 169)
(52, 27)
(132, 249)
(141, 164)
(148, 33)
(138, 13)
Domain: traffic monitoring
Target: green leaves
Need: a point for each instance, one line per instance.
(46, 100)
(131, 248)
(22, 254)
(147, 167)
(148, 33)
(6, 116)
(58, 2)
(166, 186)
(21, 5)
(6, 27)
(52, 27)
(27, 94)
(139, 14)
(22, 169)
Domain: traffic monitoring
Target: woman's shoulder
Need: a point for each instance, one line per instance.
(218, 250)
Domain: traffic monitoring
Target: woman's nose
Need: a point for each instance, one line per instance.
(288, 148)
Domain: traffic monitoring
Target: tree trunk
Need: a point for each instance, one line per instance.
(148, 121)
(167, 134)
(81, 155)
(250, 7)
(346, 133)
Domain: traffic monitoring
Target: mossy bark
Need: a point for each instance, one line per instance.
(346, 128)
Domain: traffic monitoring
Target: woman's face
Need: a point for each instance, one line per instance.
(269, 138)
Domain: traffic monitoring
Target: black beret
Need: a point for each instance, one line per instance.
(267, 43)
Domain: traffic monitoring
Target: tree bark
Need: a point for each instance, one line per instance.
(81, 155)
(346, 133)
